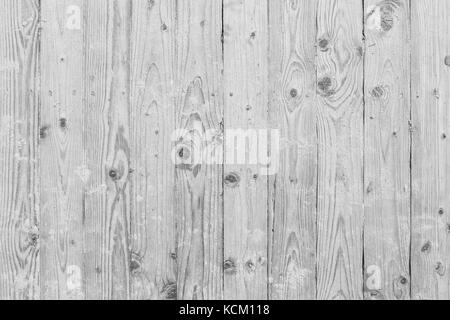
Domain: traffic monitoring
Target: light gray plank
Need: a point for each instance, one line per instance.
(387, 150)
(106, 202)
(340, 154)
(198, 188)
(293, 188)
(152, 122)
(246, 112)
(19, 134)
(430, 149)
(62, 169)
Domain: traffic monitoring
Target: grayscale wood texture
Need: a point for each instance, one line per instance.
(105, 106)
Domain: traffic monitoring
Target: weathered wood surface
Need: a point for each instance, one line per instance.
(245, 108)
(19, 139)
(430, 79)
(340, 130)
(387, 150)
(133, 164)
(293, 110)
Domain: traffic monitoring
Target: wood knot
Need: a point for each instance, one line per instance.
(375, 295)
(163, 27)
(325, 87)
(253, 35)
(43, 132)
(439, 268)
(33, 238)
(293, 93)
(169, 291)
(387, 17)
(229, 267)
(377, 92)
(173, 256)
(444, 136)
(250, 266)
(183, 153)
(441, 211)
(63, 123)
(324, 45)
(426, 248)
(232, 180)
(135, 263)
(403, 280)
(447, 61)
(114, 175)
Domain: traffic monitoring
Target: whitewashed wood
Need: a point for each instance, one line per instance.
(19, 133)
(92, 205)
(340, 153)
(430, 149)
(106, 202)
(152, 116)
(198, 189)
(62, 169)
(245, 108)
(387, 150)
(293, 110)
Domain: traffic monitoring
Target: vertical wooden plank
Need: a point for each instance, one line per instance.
(387, 150)
(246, 107)
(198, 186)
(107, 153)
(340, 131)
(19, 133)
(63, 172)
(152, 116)
(430, 149)
(293, 189)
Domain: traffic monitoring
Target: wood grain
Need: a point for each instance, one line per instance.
(387, 150)
(152, 122)
(198, 186)
(430, 149)
(340, 149)
(106, 199)
(19, 134)
(246, 112)
(62, 170)
(119, 120)
(293, 188)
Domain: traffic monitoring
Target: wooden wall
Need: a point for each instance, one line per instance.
(98, 199)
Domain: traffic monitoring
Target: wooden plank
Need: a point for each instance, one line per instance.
(340, 154)
(430, 149)
(387, 150)
(198, 186)
(19, 133)
(106, 201)
(245, 113)
(152, 116)
(293, 189)
(62, 171)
